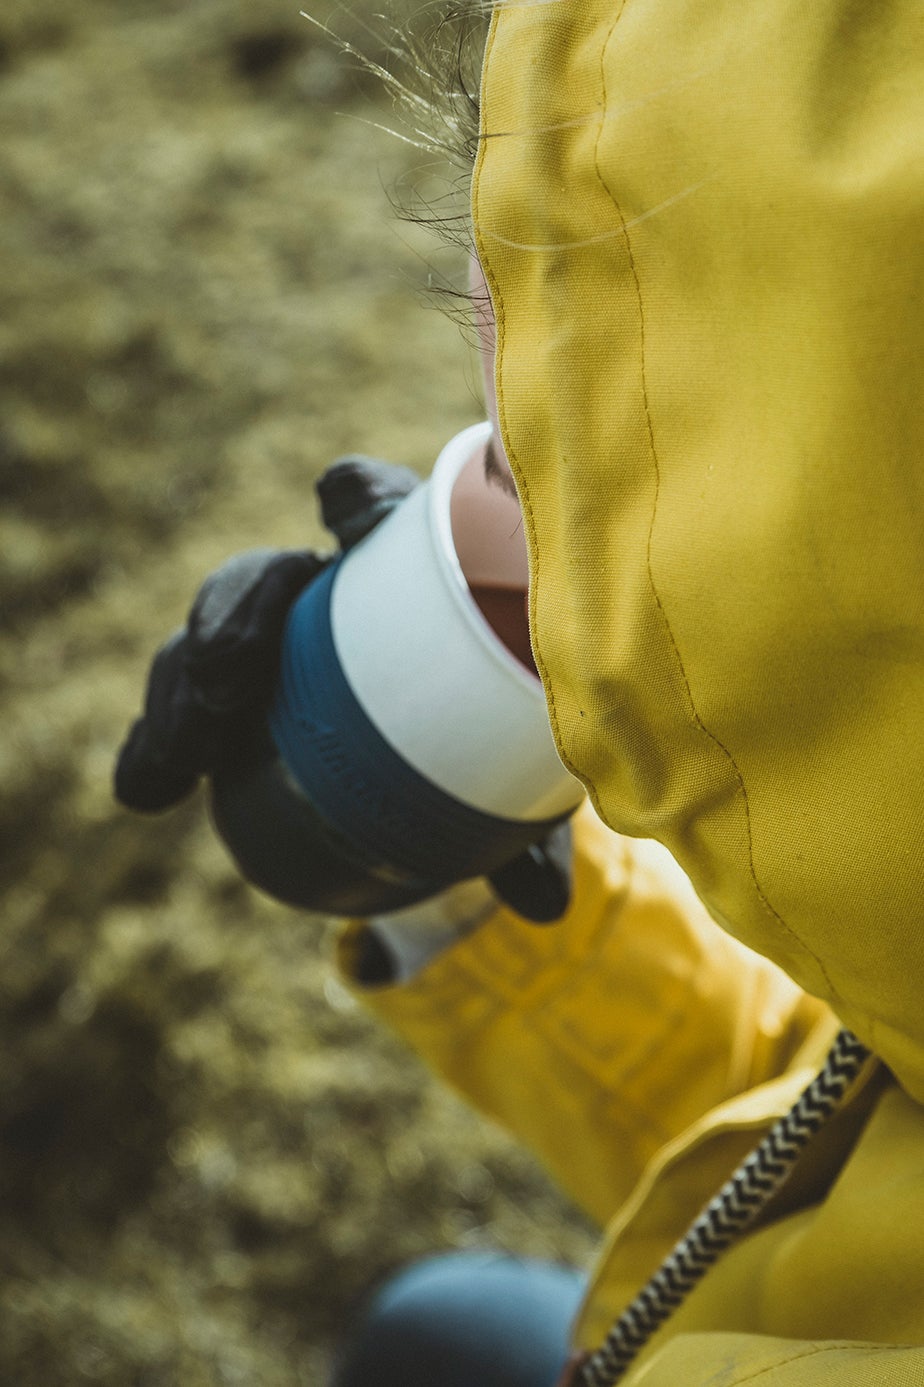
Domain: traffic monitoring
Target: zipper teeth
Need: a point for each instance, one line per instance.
(726, 1217)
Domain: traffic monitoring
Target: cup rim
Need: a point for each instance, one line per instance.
(446, 469)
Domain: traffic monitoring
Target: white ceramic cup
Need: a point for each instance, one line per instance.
(430, 673)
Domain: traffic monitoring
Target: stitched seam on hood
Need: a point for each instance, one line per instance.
(694, 714)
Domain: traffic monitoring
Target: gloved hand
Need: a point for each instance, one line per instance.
(212, 681)
(211, 684)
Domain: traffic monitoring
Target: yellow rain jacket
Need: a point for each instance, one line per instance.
(701, 225)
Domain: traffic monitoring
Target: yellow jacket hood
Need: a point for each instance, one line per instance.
(701, 226)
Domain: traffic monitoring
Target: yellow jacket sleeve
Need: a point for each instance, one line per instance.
(600, 1040)
(641, 1052)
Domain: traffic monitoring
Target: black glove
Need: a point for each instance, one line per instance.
(211, 682)
(210, 686)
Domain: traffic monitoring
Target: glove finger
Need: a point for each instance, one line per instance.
(356, 492)
(169, 747)
(236, 626)
(537, 884)
(144, 781)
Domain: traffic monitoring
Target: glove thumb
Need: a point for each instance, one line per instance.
(537, 884)
(357, 492)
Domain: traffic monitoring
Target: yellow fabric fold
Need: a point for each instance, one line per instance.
(602, 1038)
(634, 1046)
(701, 230)
(641, 1052)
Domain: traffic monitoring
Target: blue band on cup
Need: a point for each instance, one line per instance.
(358, 782)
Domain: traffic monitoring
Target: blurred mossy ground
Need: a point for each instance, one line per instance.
(207, 1151)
